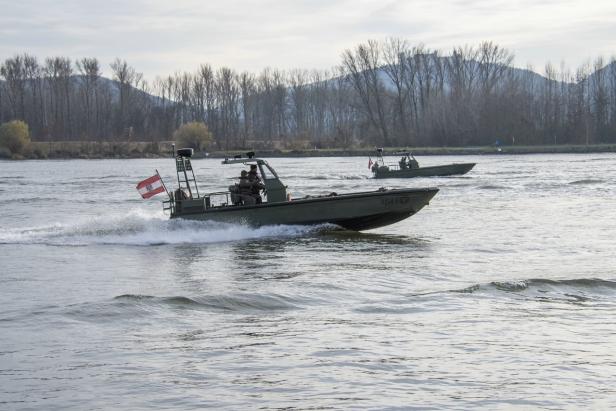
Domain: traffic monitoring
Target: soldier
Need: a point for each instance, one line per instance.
(403, 164)
(245, 188)
(257, 185)
(252, 175)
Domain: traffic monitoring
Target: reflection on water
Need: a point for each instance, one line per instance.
(342, 236)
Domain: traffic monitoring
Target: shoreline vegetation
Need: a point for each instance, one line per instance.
(387, 93)
(129, 150)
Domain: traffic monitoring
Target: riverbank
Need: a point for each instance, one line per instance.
(127, 150)
(431, 151)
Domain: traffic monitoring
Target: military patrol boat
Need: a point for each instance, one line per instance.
(408, 167)
(353, 211)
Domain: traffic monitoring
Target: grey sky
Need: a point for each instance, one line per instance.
(160, 37)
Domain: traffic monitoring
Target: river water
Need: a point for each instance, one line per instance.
(500, 294)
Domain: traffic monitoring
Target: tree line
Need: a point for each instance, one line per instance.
(385, 93)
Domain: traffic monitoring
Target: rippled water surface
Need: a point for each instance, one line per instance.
(500, 294)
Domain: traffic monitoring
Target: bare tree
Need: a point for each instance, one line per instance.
(90, 74)
(363, 68)
(247, 89)
(58, 71)
(14, 74)
(125, 76)
(401, 75)
(228, 92)
(599, 99)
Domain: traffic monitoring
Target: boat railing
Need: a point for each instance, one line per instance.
(169, 205)
(390, 167)
(396, 167)
(217, 199)
(210, 200)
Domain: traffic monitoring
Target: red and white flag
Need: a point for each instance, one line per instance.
(151, 186)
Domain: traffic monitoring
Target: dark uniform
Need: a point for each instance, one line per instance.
(256, 183)
(245, 189)
(403, 163)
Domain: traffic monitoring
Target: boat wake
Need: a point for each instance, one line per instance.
(141, 228)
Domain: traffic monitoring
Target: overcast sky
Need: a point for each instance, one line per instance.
(159, 37)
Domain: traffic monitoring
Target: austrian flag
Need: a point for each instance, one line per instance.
(151, 186)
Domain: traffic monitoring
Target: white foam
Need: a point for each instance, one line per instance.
(140, 227)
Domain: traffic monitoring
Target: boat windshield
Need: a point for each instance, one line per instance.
(267, 172)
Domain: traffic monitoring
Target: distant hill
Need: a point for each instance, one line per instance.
(537, 80)
(110, 86)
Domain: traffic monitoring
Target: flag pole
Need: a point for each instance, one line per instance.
(163, 183)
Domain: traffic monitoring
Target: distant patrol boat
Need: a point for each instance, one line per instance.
(352, 211)
(408, 167)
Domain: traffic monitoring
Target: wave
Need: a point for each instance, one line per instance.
(139, 227)
(587, 181)
(576, 289)
(108, 177)
(335, 177)
(129, 306)
(589, 283)
(573, 291)
(233, 302)
(492, 187)
(461, 184)
(30, 200)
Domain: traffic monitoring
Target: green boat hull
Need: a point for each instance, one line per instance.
(357, 211)
(433, 171)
